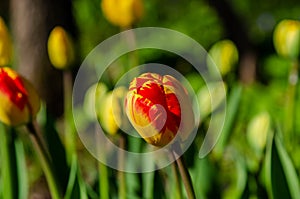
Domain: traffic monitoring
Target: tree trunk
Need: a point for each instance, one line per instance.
(237, 32)
(32, 21)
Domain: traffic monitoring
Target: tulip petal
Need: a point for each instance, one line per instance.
(155, 105)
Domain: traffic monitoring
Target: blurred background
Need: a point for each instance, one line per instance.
(258, 153)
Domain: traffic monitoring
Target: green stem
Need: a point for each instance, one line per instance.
(102, 171)
(104, 188)
(178, 193)
(185, 175)
(45, 161)
(121, 174)
(290, 103)
(69, 122)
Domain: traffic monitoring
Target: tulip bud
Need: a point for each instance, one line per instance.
(110, 112)
(60, 48)
(257, 131)
(94, 99)
(19, 100)
(287, 38)
(224, 54)
(5, 45)
(122, 13)
(159, 107)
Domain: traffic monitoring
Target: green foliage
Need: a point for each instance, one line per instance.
(263, 163)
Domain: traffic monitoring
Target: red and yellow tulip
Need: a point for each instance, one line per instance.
(159, 108)
(19, 100)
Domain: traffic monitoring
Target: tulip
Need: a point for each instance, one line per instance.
(159, 107)
(19, 100)
(225, 55)
(122, 13)
(110, 110)
(287, 38)
(93, 100)
(60, 48)
(257, 131)
(5, 45)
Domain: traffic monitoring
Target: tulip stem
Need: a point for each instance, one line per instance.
(69, 122)
(178, 193)
(291, 102)
(103, 185)
(45, 162)
(185, 175)
(121, 174)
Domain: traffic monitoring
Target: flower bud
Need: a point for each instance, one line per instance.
(257, 131)
(19, 100)
(159, 107)
(122, 13)
(93, 100)
(287, 38)
(5, 45)
(224, 54)
(60, 48)
(110, 112)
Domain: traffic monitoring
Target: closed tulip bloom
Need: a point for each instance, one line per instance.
(257, 131)
(110, 111)
(159, 108)
(5, 45)
(287, 38)
(19, 100)
(225, 55)
(60, 48)
(122, 13)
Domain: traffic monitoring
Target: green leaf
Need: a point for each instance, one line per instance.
(284, 179)
(57, 152)
(72, 180)
(76, 188)
(8, 166)
(231, 113)
(148, 184)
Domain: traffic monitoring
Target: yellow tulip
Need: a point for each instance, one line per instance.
(60, 48)
(110, 111)
(19, 100)
(225, 56)
(159, 107)
(5, 45)
(122, 13)
(287, 38)
(93, 99)
(257, 131)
